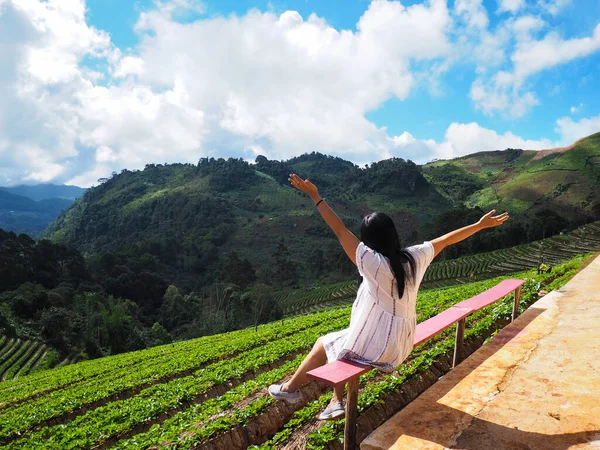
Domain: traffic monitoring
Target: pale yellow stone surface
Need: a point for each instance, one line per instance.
(535, 385)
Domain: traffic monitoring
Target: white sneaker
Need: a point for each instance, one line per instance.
(290, 397)
(333, 412)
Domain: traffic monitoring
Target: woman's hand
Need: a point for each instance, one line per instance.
(488, 221)
(304, 185)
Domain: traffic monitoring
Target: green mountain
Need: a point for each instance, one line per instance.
(565, 181)
(195, 224)
(182, 219)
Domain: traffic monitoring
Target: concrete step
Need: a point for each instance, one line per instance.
(535, 385)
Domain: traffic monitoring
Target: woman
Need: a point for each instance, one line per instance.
(383, 317)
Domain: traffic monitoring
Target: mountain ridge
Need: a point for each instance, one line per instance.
(186, 218)
(45, 191)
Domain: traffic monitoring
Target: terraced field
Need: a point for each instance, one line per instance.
(19, 357)
(551, 251)
(211, 392)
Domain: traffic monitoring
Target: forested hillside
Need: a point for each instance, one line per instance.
(49, 294)
(191, 223)
(186, 222)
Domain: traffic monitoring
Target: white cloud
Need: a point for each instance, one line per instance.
(462, 139)
(91, 177)
(525, 26)
(512, 6)
(500, 94)
(506, 91)
(214, 86)
(465, 138)
(177, 8)
(576, 109)
(570, 130)
(553, 7)
(128, 65)
(534, 56)
(472, 12)
(42, 45)
(260, 83)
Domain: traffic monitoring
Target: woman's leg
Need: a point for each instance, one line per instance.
(315, 358)
(338, 395)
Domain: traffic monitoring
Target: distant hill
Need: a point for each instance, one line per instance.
(563, 180)
(29, 209)
(39, 192)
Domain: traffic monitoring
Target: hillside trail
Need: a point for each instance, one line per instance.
(548, 151)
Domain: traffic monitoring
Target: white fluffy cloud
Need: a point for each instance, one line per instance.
(507, 91)
(298, 84)
(511, 6)
(42, 45)
(571, 130)
(465, 138)
(216, 86)
(472, 12)
(261, 83)
(553, 7)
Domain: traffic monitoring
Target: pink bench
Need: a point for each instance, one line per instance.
(341, 372)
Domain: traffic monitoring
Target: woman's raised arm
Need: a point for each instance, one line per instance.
(348, 240)
(487, 221)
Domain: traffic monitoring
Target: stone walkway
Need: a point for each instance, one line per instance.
(534, 386)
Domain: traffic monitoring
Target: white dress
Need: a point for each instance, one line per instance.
(382, 325)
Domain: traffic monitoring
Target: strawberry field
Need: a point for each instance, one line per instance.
(211, 392)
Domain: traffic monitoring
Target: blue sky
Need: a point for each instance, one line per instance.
(427, 116)
(105, 84)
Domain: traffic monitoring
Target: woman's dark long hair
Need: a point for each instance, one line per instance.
(378, 232)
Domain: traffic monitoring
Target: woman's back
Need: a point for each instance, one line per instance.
(382, 324)
(380, 283)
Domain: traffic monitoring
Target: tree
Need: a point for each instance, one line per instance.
(285, 270)
(173, 312)
(316, 262)
(7, 326)
(54, 322)
(264, 307)
(119, 322)
(160, 335)
(26, 300)
(237, 271)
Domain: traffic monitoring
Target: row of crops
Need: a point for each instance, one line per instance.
(209, 392)
(20, 357)
(551, 251)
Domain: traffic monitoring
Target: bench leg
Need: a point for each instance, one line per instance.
(458, 343)
(351, 407)
(515, 311)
